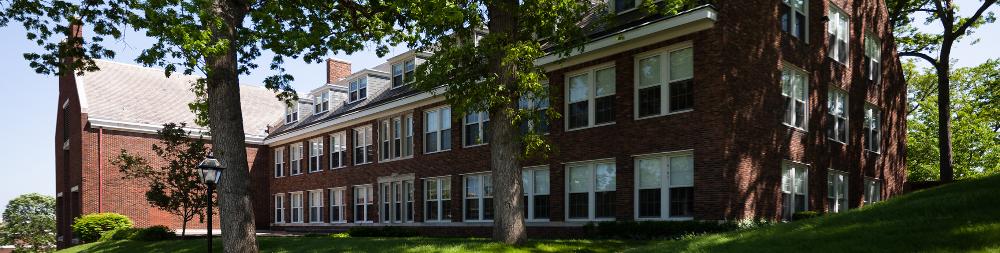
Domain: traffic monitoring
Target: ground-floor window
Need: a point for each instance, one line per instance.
(794, 190)
(665, 186)
(397, 201)
(316, 206)
(873, 190)
(337, 205)
(836, 191)
(279, 208)
(478, 197)
(297, 207)
(591, 193)
(437, 199)
(535, 182)
(362, 203)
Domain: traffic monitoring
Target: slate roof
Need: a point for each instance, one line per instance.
(140, 95)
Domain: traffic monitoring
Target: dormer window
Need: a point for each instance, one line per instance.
(622, 6)
(402, 72)
(292, 113)
(358, 89)
(322, 103)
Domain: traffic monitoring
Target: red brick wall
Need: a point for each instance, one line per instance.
(336, 70)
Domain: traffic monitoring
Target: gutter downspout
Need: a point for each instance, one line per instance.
(100, 171)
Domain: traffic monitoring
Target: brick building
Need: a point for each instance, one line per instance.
(735, 110)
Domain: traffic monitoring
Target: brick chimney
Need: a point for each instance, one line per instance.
(336, 70)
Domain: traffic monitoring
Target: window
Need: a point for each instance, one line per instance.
(397, 201)
(795, 89)
(338, 146)
(873, 59)
(625, 5)
(437, 124)
(794, 190)
(297, 207)
(403, 73)
(296, 154)
(438, 199)
(358, 89)
(591, 193)
(337, 205)
(535, 183)
(837, 107)
(322, 102)
(362, 203)
(363, 145)
(315, 152)
(665, 186)
(591, 100)
(279, 208)
(292, 113)
(538, 105)
(838, 33)
(873, 190)
(279, 162)
(316, 206)
(836, 191)
(793, 17)
(478, 197)
(396, 135)
(872, 128)
(477, 129)
(665, 88)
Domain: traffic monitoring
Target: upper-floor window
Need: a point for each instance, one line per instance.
(837, 108)
(591, 190)
(322, 102)
(664, 88)
(591, 98)
(292, 113)
(794, 194)
(836, 191)
(665, 186)
(396, 135)
(535, 182)
(622, 6)
(279, 162)
(438, 199)
(478, 197)
(872, 128)
(315, 152)
(873, 59)
(338, 148)
(296, 154)
(477, 129)
(794, 15)
(795, 89)
(538, 105)
(358, 89)
(363, 152)
(437, 130)
(873, 190)
(838, 32)
(402, 72)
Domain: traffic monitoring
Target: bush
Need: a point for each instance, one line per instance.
(806, 215)
(656, 229)
(90, 227)
(154, 233)
(384, 231)
(118, 234)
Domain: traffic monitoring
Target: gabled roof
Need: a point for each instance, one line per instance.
(134, 98)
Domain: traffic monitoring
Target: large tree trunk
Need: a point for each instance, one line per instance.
(944, 110)
(505, 149)
(228, 141)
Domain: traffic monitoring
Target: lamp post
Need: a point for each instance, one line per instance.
(210, 171)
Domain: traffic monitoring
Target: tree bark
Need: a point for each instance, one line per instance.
(505, 149)
(944, 111)
(228, 140)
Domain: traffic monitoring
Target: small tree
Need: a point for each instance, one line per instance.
(175, 187)
(30, 223)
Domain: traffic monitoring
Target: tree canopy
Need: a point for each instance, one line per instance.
(29, 223)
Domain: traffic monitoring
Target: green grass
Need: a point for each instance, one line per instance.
(329, 244)
(960, 217)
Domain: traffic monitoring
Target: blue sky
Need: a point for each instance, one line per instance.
(29, 100)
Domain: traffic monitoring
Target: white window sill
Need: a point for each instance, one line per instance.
(438, 221)
(799, 129)
(396, 159)
(435, 152)
(475, 145)
(364, 163)
(314, 171)
(295, 174)
(478, 221)
(665, 219)
(663, 114)
(589, 127)
(589, 220)
(837, 141)
(339, 167)
(873, 152)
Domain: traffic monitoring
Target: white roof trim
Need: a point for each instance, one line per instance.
(81, 93)
(151, 129)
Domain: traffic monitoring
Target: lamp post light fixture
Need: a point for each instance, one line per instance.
(210, 171)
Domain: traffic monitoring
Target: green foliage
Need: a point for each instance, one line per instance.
(89, 227)
(176, 187)
(340, 235)
(118, 234)
(29, 223)
(806, 215)
(383, 231)
(154, 233)
(656, 229)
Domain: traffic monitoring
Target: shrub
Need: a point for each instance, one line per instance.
(118, 234)
(340, 235)
(154, 233)
(90, 227)
(656, 229)
(384, 231)
(806, 215)
(748, 224)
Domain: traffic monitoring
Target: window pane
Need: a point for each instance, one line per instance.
(681, 64)
(681, 201)
(578, 114)
(541, 207)
(579, 178)
(578, 88)
(605, 82)
(432, 189)
(624, 5)
(649, 71)
(541, 182)
(430, 142)
(604, 204)
(446, 118)
(649, 202)
(472, 187)
(472, 134)
(432, 121)
(649, 173)
(681, 95)
(472, 209)
(487, 208)
(446, 139)
(681, 171)
(604, 110)
(605, 180)
(578, 205)
(649, 101)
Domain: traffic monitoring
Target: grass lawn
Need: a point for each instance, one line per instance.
(960, 217)
(329, 244)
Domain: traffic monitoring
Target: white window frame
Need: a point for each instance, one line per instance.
(833, 128)
(793, 19)
(839, 29)
(364, 143)
(292, 113)
(367, 203)
(591, 96)
(483, 178)
(337, 200)
(316, 207)
(872, 128)
(296, 157)
(279, 208)
(873, 190)
(358, 88)
(591, 191)
(664, 57)
(396, 128)
(837, 195)
(315, 155)
(528, 176)
(798, 94)
(279, 162)
(482, 119)
(321, 102)
(665, 184)
(299, 211)
(338, 148)
(393, 196)
(439, 139)
(790, 172)
(439, 184)
(406, 68)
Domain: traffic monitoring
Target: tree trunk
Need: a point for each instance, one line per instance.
(184, 226)
(228, 141)
(944, 110)
(505, 149)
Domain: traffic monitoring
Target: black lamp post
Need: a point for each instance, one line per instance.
(210, 171)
